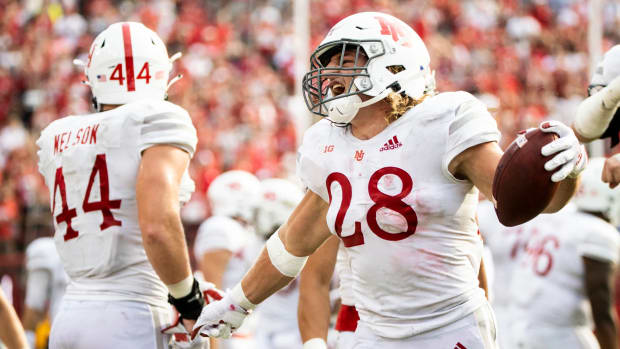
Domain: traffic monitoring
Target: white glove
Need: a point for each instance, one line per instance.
(571, 157)
(181, 339)
(220, 318)
(315, 343)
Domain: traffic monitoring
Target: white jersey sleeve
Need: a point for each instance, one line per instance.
(601, 243)
(472, 125)
(310, 167)
(217, 233)
(167, 123)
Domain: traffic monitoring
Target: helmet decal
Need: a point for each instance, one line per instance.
(394, 29)
(131, 83)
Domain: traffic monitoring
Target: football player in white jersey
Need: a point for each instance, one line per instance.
(116, 179)
(395, 170)
(277, 329)
(564, 278)
(45, 285)
(222, 242)
(505, 244)
(598, 116)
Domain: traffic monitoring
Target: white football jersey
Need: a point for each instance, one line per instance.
(506, 245)
(345, 277)
(90, 164)
(409, 226)
(548, 283)
(41, 254)
(224, 233)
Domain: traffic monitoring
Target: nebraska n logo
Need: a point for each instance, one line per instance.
(391, 144)
(396, 30)
(359, 155)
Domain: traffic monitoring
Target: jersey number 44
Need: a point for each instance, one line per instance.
(104, 204)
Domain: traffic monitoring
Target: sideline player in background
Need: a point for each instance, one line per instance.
(505, 244)
(11, 331)
(45, 285)
(276, 319)
(598, 116)
(564, 277)
(395, 170)
(223, 240)
(116, 180)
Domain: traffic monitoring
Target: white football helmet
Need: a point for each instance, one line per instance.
(606, 70)
(279, 198)
(128, 62)
(386, 41)
(234, 194)
(594, 195)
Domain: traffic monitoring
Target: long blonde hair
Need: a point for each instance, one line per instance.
(400, 102)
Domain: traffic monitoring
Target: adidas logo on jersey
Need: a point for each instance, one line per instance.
(391, 144)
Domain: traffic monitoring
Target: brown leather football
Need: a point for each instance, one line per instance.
(522, 187)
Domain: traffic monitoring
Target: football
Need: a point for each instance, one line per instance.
(522, 188)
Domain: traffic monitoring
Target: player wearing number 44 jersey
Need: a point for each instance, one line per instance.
(116, 178)
(406, 215)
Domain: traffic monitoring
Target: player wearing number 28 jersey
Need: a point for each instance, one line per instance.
(395, 170)
(116, 178)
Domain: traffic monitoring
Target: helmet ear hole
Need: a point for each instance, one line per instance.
(395, 69)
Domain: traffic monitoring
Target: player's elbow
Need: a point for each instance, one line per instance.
(155, 230)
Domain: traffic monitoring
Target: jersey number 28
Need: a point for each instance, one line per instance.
(104, 204)
(381, 200)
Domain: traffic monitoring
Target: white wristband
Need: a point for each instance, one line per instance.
(595, 112)
(315, 343)
(181, 288)
(286, 263)
(238, 296)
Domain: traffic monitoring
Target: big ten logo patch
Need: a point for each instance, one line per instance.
(328, 148)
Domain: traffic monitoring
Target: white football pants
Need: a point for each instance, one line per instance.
(109, 324)
(475, 331)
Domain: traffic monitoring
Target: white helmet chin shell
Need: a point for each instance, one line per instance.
(343, 110)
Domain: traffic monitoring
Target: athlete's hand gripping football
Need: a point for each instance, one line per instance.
(570, 156)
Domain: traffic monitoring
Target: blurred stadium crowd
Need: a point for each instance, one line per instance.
(526, 59)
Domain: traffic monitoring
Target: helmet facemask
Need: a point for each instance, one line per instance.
(318, 95)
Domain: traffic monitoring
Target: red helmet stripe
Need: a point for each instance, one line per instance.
(131, 82)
